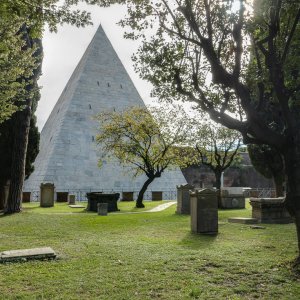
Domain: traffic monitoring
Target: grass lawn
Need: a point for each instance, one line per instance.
(145, 256)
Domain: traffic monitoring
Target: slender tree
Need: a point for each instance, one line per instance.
(141, 140)
(217, 149)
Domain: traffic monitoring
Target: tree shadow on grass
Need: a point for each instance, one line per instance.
(198, 241)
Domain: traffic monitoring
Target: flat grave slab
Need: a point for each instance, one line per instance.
(26, 254)
(257, 227)
(243, 220)
(76, 206)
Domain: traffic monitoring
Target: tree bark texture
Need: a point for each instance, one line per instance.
(278, 182)
(20, 132)
(21, 126)
(139, 201)
(292, 167)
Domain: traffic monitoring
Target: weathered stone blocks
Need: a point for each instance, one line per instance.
(232, 197)
(270, 210)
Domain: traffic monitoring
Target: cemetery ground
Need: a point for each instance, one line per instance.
(145, 256)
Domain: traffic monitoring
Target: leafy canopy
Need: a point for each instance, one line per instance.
(144, 140)
(17, 62)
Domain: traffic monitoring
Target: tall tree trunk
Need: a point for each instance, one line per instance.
(218, 176)
(21, 131)
(139, 201)
(1, 196)
(292, 167)
(21, 126)
(278, 182)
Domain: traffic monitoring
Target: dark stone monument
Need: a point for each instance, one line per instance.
(26, 197)
(127, 196)
(204, 211)
(102, 209)
(270, 210)
(156, 196)
(183, 198)
(62, 196)
(97, 197)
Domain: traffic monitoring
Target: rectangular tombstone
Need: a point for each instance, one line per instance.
(47, 195)
(102, 209)
(62, 196)
(183, 198)
(71, 199)
(157, 196)
(127, 196)
(204, 211)
(26, 197)
(270, 210)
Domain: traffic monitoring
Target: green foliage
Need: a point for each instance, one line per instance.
(200, 51)
(140, 139)
(266, 160)
(212, 145)
(17, 62)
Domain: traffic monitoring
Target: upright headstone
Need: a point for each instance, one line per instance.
(47, 195)
(71, 199)
(102, 209)
(204, 211)
(183, 198)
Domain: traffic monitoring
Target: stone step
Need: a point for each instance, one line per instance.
(27, 254)
(76, 206)
(243, 220)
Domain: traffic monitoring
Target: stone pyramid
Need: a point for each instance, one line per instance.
(68, 153)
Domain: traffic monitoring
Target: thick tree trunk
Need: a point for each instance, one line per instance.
(21, 122)
(1, 196)
(292, 167)
(139, 201)
(21, 131)
(4, 190)
(278, 182)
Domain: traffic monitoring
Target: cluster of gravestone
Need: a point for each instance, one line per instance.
(202, 205)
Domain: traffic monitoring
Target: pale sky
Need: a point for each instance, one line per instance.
(63, 50)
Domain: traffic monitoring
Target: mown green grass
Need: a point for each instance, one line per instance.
(123, 206)
(146, 256)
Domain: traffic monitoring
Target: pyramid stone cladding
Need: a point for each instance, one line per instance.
(68, 153)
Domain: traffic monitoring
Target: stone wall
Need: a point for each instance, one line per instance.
(201, 176)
